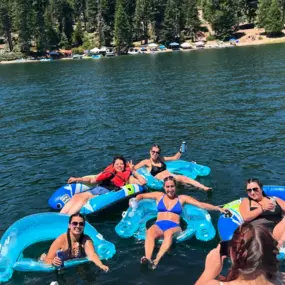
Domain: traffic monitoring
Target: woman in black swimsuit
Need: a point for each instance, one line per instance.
(258, 208)
(157, 167)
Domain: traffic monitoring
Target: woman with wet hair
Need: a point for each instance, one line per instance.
(260, 209)
(169, 207)
(157, 167)
(253, 253)
(74, 244)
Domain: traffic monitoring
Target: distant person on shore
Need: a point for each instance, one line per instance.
(253, 254)
(157, 167)
(169, 207)
(115, 176)
(258, 209)
(74, 244)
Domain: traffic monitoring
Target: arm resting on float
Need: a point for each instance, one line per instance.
(245, 212)
(153, 195)
(189, 200)
(142, 163)
(92, 256)
(90, 180)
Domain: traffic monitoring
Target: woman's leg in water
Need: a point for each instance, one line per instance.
(182, 179)
(76, 203)
(167, 242)
(152, 234)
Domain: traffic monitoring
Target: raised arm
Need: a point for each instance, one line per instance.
(189, 200)
(174, 157)
(152, 195)
(92, 256)
(245, 212)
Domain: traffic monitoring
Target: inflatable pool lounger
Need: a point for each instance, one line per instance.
(198, 222)
(37, 228)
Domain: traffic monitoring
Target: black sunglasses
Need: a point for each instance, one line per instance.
(75, 224)
(155, 152)
(254, 189)
(169, 178)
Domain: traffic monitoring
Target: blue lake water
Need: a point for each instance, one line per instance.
(69, 118)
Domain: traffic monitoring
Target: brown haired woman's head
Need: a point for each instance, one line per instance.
(169, 185)
(253, 251)
(254, 189)
(155, 151)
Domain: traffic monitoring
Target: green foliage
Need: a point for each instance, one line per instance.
(192, 22)
(211, 38)
(78, 35)
(122, 27)
(10, 56)
(142, 18)
(221, 15)
(171, 24)
(6, 22)
(274, 22)
(77, 50)
(262, 11)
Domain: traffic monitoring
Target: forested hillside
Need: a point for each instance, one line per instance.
(49, 24)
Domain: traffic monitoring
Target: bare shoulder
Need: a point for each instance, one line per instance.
(244, 201)
(215, 282)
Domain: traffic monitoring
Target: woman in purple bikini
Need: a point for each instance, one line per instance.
(169, 207)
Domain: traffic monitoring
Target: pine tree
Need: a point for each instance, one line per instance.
(122, 27)
(5, 22)
(192, 22)
(143, 18)
(23, 23)
(39, 7)
(78, 34)
(108, 20)
(262, 11)
(274, 22)
(171, 24)
(91, 14)
(221, 15)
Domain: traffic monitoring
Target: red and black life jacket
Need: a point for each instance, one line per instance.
(118, 179)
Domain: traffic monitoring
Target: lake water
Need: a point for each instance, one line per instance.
(69, 118)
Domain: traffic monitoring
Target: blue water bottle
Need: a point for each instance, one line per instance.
(183, 147)
(59, 254)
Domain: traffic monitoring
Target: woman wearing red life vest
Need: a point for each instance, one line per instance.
(114, 176)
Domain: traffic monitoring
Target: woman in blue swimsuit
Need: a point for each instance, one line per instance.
(157, 167)
(169, 206)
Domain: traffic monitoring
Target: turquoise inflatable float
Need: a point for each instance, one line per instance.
(198, 222)
(186, 168)
(37, 228)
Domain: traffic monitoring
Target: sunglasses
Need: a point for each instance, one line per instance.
(254, 189)
(75, 224)
(155, 152)
(169, 178)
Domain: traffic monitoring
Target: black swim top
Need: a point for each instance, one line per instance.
(157, 169)
(274, 216)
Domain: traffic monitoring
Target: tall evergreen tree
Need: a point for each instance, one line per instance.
(143, 18)
(171, 24)
(108, 20)
(23, 23)
(158, 12)
(274, 22)
(122, 32)
(262, 11)
(5, 22)
(39, 7)
(91, 14)
(221, 15)
(192, 22)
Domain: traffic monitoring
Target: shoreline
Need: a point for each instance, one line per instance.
(208, 45)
